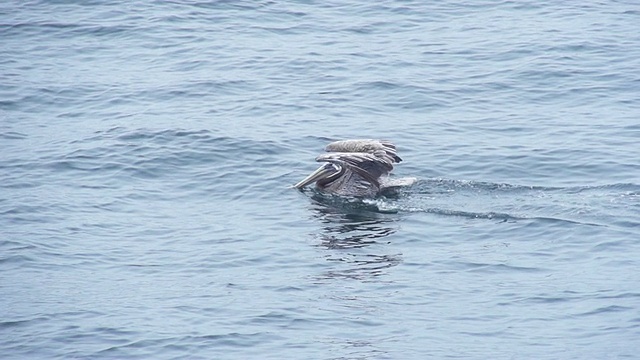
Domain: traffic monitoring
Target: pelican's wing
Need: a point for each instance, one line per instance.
(368, 165)
(364, 146)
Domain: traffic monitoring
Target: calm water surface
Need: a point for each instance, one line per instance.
(148, 148)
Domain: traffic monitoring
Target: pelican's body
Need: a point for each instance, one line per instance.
(354, 168)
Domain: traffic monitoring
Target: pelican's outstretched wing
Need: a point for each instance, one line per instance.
(369, 166)
(364, 146)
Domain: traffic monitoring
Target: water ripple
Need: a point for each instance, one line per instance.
(148, 152)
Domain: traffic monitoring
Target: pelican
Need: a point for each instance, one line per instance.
(354, 168)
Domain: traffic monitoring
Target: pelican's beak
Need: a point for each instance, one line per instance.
(322, 172)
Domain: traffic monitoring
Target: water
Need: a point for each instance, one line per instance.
(147, 150)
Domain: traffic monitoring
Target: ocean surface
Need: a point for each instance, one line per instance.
(148, 149)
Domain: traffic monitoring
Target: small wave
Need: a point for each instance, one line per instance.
(607, 309)
(503, 217)
(15, 260)
(164, 135)
(452, 184)
(12, 135)
(499, 268)
(467, 214)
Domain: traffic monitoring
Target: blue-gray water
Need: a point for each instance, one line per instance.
(147, 148)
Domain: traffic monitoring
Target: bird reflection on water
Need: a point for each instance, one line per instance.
(355, 236)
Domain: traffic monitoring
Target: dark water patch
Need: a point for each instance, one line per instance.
(12, 135)
(367, 267)
(21, 28)
(25, 214)
(500, 268)
(606, 309)
(14, 260)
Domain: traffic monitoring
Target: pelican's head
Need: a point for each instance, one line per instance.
(324, 175)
